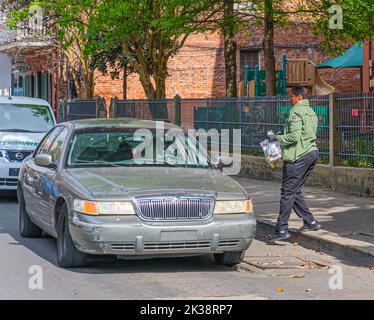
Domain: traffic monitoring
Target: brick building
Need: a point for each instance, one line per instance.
(36, 68)
(368, 66)
(30, 63)
(198, 70)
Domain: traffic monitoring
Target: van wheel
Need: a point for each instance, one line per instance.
(68, 256)
(27, 228)
(229, 258)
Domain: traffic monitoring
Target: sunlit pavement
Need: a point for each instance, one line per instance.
(268, 272)
(347, 221)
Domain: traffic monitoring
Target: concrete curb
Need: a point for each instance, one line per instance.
(311, 240)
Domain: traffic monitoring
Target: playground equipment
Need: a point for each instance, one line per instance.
(294, 72)
(304, 72)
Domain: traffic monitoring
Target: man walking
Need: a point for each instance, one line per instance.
(300, 154)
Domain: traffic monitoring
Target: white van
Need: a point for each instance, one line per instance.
(23, 123)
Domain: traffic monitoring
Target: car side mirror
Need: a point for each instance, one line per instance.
(223, 162)
(44, 160)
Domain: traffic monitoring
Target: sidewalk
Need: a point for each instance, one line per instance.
(347, 221)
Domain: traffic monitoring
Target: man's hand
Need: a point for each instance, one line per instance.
(272, 136)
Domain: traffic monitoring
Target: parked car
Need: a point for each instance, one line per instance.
(23, 123)
(84, 187)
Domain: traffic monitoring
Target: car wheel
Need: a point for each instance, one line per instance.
(229, 258)
(27, 228)
(68, 256)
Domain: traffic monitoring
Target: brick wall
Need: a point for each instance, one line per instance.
(343, 79)
(198, 71)
(367, 69)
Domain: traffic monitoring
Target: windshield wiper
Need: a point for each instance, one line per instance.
(174, 165)
(98, 162)
(20, 130)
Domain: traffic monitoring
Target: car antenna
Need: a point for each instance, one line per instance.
(10, 94)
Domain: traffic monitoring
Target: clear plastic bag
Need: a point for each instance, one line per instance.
(272, 151)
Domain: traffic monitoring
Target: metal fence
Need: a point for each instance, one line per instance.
(257, 115)
(82, 109)
(149, 109)
(345, 131)
(355, 124)
(253, 115)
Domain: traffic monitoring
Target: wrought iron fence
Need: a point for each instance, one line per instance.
(253, 115)
(257, 115)
(352, 117)
(148, 109)
(82, 109)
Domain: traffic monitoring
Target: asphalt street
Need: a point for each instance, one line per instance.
(268, 272)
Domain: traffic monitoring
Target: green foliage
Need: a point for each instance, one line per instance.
(141, 35)
(149, 32)
(360, 148)
(358, 23)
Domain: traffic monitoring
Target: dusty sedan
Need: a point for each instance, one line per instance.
(85, 186)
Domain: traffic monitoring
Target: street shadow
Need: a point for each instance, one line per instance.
(347, 216)
(45, 248)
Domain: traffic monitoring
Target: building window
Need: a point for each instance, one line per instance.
(250, 58)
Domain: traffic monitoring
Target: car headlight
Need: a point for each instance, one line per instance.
(104, 208)
(233, 206)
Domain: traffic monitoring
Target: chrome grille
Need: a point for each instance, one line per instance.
(228, 243)
(176, 245)
(174, 208)
(15, 156)
(8, 182)
(122, 246)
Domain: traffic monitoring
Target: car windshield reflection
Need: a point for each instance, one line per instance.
(134, 147)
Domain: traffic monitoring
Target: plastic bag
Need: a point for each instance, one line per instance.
(273, 151)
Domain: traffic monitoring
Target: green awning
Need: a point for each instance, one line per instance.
(350, 59)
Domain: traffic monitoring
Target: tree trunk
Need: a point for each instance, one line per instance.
(147, 85)
(89, 84)
(160, 82)
(230, 49)
(160, 110)
(124, 84)
(270, 79)
(141, 69)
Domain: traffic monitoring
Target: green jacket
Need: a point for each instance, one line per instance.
(300, 132)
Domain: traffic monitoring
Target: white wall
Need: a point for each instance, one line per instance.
(5, 79)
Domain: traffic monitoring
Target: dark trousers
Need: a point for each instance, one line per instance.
(295, 175)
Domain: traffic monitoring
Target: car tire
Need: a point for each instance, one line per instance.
(229, 258)
(27, 228)
(68, 256)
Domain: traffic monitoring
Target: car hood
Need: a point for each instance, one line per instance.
(25, 141)
(129, 182)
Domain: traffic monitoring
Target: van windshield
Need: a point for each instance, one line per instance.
(25, 118)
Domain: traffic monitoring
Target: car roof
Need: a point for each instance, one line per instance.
(121, 123)
(23, 100)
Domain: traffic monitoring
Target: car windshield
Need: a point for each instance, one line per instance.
(25, 118)
(134, 147)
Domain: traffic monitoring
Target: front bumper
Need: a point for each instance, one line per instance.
(134, 237)
(8, 182)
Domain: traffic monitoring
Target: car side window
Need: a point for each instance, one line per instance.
(48, 140)
(56, 148)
